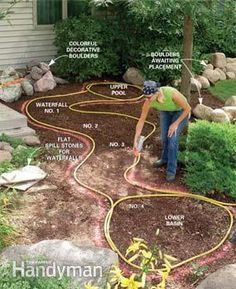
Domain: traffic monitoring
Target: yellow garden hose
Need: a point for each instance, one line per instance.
(160, 193)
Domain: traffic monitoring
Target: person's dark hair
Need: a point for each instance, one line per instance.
(150, 87)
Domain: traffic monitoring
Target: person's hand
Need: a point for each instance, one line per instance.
(172, 129)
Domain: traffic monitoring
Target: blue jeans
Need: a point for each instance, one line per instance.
(170, 144)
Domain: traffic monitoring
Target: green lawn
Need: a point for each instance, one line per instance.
(224, 89)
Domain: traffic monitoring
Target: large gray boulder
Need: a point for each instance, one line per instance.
(134, 76)
(44, 67)
(224, 278)
(27, 88)
(231, 101)
(219, 115)
(212, 75)
(218, 60)
(203, 112)
(11, 93)
(46, 83)
(81, 263)
(36, 73)
(204, 81)
(222, 74)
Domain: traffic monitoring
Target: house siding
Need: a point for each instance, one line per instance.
(21, 41)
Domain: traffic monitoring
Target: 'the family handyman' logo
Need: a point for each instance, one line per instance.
(26, 269)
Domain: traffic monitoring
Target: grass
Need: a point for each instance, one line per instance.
(224, 89)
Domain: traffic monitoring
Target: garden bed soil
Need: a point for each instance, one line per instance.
(198, 232)
(70, 212)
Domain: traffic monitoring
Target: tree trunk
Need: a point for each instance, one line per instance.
(188, 54)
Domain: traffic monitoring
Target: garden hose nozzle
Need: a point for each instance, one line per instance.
(140, 142)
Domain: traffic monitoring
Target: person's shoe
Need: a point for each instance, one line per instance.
(170, 178)
(159, 163)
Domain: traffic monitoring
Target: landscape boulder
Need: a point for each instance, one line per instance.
(27, 88)
(10, 71)
(195, 84)
(203, 112)
(11, 93)
(209, 66)
(44, 67)
(5, 156)
(222, 74)
(204, 81)
(231, 101)
(47, 82)
(219, 115)
(218, 60)
(65, 254)
(133, 76)
(224, 278)
(231, 111)
(231, 67)
(230, 75)
(36, 73)
(6, 147)
(212, 75)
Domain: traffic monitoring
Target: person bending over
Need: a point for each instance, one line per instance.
(174, 113)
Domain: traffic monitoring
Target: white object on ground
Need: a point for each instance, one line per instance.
(23, 178)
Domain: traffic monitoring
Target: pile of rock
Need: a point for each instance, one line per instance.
(40, 76)
(225, 114)
(219, 68)
(37, 78)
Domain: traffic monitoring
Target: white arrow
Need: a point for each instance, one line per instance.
(53, 61)
(202, 62)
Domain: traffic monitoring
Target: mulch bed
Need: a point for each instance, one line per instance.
(141, 218)
(204, 224)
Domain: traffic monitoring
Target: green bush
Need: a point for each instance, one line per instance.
(87, 28)
(210, 158)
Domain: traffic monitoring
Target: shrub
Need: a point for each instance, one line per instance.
(210, 158)
(87, 28)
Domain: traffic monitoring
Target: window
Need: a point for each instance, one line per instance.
(48, 12)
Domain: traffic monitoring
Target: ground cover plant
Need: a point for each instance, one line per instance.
(21, 155)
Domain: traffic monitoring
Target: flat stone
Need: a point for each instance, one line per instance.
(65, 254)
(18, 132)
(224, 278)
(11, 119)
